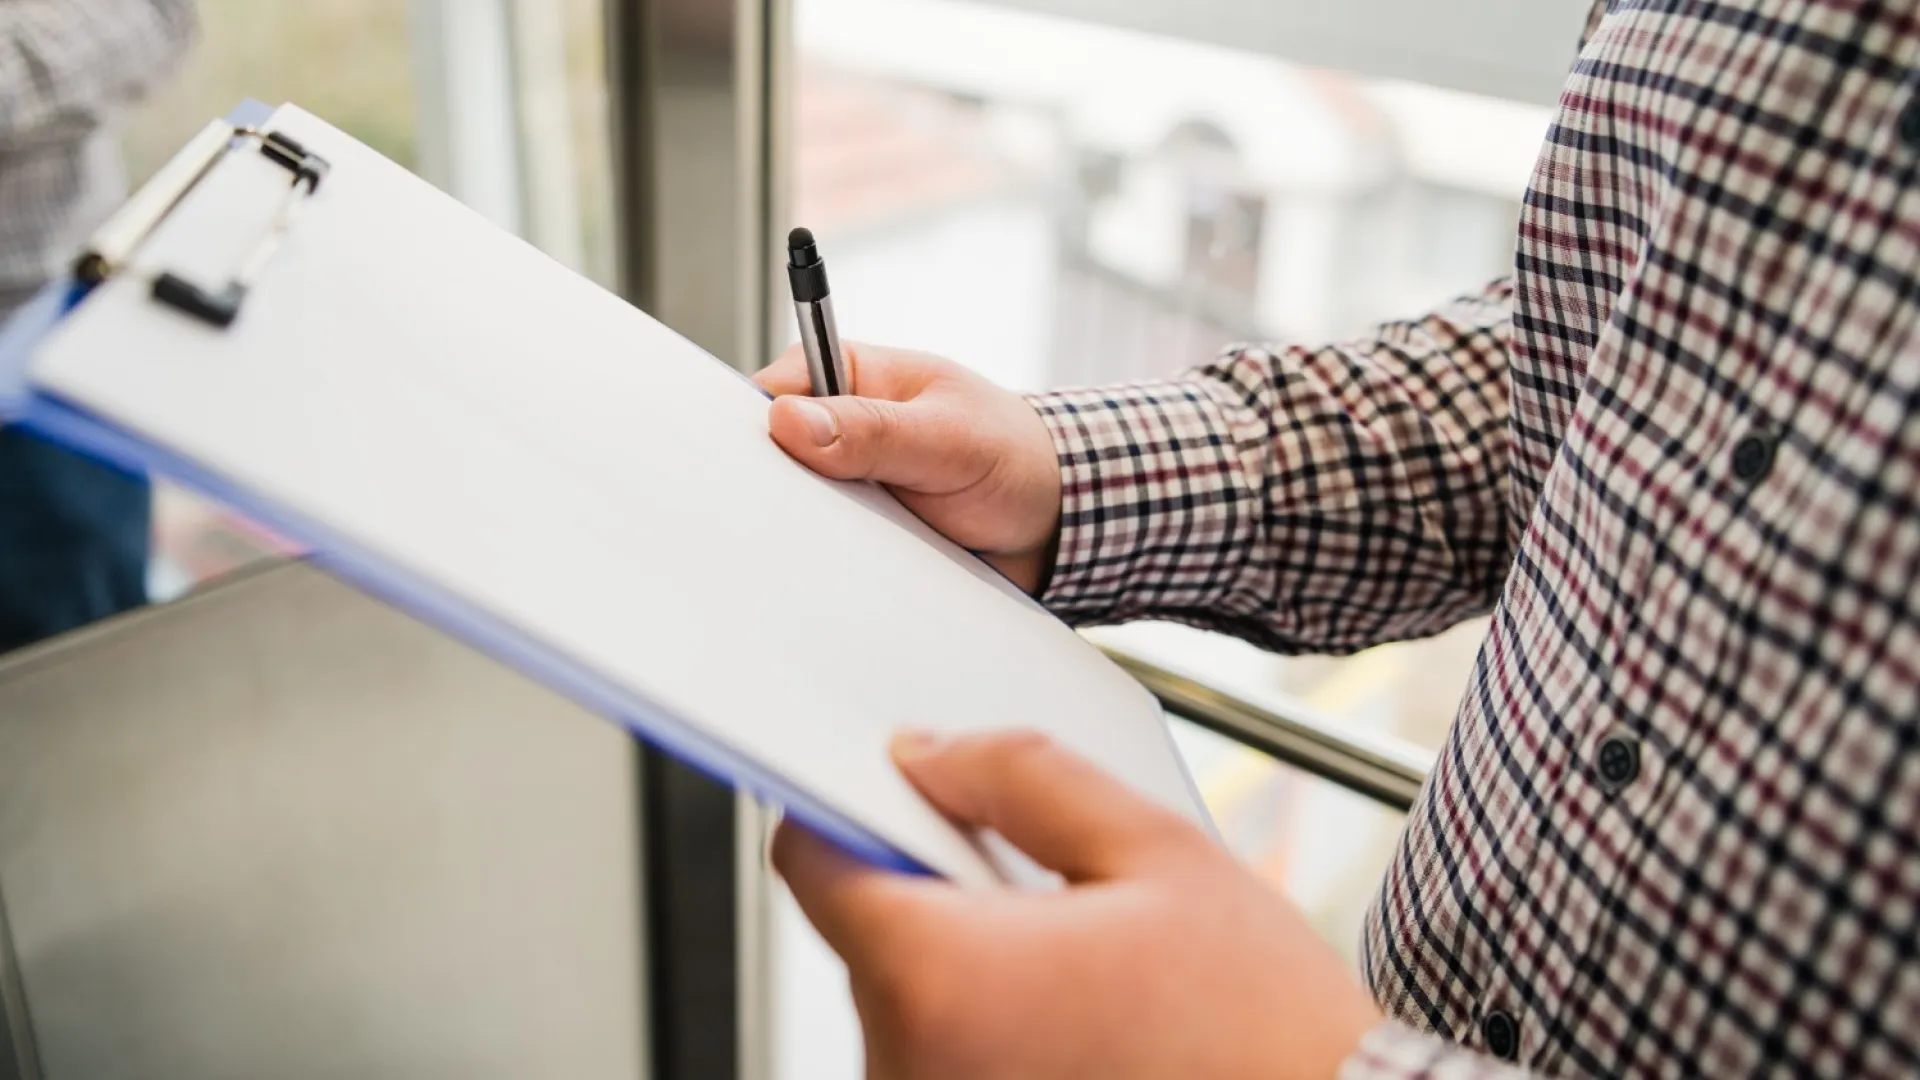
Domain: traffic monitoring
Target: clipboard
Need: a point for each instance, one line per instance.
(195, 345)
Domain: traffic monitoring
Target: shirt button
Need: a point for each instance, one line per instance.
(1752, 457)
(1909, 123)
(1502, 1035)
(1619, 762)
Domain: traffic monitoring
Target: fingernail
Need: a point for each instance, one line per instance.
(913, 743)
(820, 423)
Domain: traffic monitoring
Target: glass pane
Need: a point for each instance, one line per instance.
(404, 70)
(1124, 205)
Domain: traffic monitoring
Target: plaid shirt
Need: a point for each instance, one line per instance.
(1675, 829)
(65, 66)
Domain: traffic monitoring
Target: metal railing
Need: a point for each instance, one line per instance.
(1387, 772)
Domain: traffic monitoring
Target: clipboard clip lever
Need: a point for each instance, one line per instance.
(115, 242)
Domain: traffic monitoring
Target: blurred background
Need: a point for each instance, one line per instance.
(1114, 191)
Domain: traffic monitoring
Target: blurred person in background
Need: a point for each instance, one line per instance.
(1675, 827)
(73, 533)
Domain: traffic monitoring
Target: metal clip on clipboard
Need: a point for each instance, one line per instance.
(116, 241)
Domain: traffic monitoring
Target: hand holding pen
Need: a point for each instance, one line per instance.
(971, 459)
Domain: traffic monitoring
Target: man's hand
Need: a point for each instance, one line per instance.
(1162, 958)
(971, 459)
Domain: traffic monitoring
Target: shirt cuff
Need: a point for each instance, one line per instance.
(1394, 1051)
(1158, 508)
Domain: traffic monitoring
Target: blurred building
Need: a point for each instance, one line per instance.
(1180, 196)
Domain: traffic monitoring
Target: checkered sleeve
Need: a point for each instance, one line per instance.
(1393, 1051)
(1305, 499)
(65, 64)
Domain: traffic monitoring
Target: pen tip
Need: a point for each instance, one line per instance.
(799, 238)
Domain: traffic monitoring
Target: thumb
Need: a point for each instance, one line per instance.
(858, 438)
(1052, 804)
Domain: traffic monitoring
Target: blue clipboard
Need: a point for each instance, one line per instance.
(73, 427)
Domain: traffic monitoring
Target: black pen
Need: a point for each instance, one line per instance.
(819, 337)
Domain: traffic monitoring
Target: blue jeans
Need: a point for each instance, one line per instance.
(73, 540)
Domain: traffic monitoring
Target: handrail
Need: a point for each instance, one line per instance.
(1389, 772)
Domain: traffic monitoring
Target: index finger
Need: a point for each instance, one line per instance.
(786, 375)
(1045, 800)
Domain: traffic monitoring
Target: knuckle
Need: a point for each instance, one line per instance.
(1011, 763)
(937, 375)
(785, 373)
(1163, 838)
(935, 366)
(905, 373)
(1168, 834)
(1020, 751)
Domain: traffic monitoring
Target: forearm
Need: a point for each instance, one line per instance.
(66, 64)
(1306, 499)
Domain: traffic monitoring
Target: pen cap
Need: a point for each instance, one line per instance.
(806, 274)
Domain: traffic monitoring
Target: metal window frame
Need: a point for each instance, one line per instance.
(697, 140)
